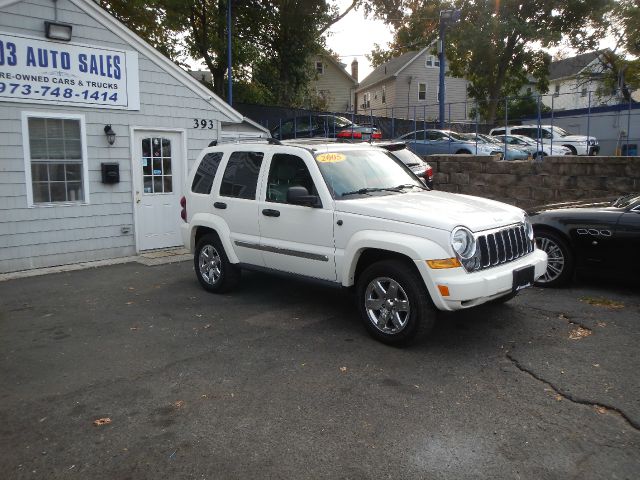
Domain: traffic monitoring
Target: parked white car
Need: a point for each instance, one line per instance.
(548, 135)
(352, 215)
(535, 149)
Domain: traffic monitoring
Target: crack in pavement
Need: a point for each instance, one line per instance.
(580, 401)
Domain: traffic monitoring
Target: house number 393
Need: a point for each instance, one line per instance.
(202, 123)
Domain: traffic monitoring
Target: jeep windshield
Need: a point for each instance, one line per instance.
(366, 172)
(561, 132)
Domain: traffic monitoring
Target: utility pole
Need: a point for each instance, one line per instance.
(446, 17)
(229, 62)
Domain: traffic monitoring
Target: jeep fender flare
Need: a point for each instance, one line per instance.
(221, 228)
(415, 248)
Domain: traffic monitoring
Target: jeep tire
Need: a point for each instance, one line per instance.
(213, 269)
(394, 304)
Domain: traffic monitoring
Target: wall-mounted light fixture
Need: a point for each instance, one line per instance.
(111, 135)
(57, 31)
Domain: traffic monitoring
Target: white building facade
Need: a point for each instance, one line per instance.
(97, 133)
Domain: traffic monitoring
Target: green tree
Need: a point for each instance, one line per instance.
(619, 67)
(272, 40)
(498, 45)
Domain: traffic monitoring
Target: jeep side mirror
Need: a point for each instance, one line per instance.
(300, 196)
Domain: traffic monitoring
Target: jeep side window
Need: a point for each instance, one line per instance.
(240, 178)
(287, 171)
(207, 169)
(545, 134)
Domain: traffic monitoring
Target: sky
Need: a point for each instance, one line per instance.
(354, 36)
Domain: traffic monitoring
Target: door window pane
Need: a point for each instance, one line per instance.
(287, 171)
(240, 178)
(156, 165)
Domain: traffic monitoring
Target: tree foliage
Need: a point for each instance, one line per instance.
(272, 40)
(498, 45)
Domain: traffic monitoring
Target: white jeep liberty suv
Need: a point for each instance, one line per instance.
(354, 216)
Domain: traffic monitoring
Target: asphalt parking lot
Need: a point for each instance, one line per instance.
(280, 380)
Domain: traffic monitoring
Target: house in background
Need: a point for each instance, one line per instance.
(571, 80)
(333, 84)
(407, 87)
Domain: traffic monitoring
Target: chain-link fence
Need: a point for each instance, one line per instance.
(551, 119)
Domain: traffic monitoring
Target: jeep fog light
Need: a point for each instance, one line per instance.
(463, 242)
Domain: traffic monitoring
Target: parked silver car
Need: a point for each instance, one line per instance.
(431, 142)
(536, 149)
(509, 153)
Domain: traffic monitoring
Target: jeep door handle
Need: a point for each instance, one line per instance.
(220, 205)
(270, 213)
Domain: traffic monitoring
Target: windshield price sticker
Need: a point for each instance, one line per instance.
(331, 157)
(35, 70)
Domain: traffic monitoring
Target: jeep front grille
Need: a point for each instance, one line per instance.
(502, 246)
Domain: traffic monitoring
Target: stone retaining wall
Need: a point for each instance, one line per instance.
(528, 183)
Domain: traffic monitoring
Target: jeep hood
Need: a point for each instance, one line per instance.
(441, 210)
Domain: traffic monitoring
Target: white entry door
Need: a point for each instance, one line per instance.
(157, 183)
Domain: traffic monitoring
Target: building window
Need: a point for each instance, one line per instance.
(384, 94)
(432, 61)
(366, 100)
(528, 90)
(55, 159)
(583, 92)
(422, 91)
(557, 90)
(319, 67)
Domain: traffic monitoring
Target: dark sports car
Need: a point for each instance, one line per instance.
(588, 235)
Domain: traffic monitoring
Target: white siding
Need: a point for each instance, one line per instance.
(338, 87)
(46, 236)
(406, 99)
(402, 99)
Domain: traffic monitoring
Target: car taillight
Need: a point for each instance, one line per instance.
(183, 212)
(376, 135)
(348, 134)
(428, 173)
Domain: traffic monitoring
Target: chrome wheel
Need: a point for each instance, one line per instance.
(555, 262)
(210, 264)
(387, 305)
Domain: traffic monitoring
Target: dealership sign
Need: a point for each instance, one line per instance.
(38, 71)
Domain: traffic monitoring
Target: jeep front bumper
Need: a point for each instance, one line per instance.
(471, 289)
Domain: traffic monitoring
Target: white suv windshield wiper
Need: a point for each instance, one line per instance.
(398, 188)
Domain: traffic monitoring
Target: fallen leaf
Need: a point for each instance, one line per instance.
(602, 324)
(596, 365)
(603, 302)
(131, 288)
(179, 404)
(558, 397)
(562, 316)
(601, 410)
(133, 328)
(343, 369)
(579, 333)
(208, 325)
(129, 303)
(102, 421)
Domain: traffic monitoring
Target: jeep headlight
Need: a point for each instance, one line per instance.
(463, 242)
(528, 227)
